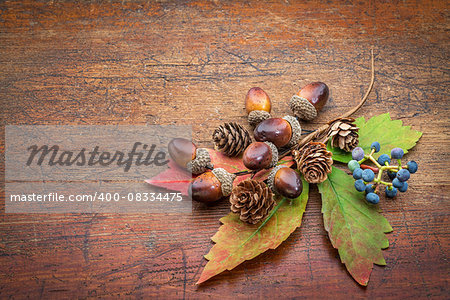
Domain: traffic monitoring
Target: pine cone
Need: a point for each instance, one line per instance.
(252, 199)
(231, 139)
(343, 133)
(314, 161)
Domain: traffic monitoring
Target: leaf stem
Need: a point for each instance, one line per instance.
(266, 220)
(375, 170)
(306, 131)
(245, 172)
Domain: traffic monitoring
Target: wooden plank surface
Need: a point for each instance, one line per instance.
(191, 62)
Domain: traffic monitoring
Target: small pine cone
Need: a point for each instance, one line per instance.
(257, 116)
(314, 161)
(231, 139)
(343, 133)
(302, 108)
(252, 199)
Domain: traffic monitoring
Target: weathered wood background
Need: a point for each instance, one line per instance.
(191, 62)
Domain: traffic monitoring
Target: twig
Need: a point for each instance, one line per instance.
(323, 128)
(372, 80)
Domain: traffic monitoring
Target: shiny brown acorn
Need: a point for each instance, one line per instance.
(257, 156)
(205, 188)
(288, 183)
(317, 93)
(275, 130)
(257, 99)
(260, 155)
(212, 185)
(182, 151)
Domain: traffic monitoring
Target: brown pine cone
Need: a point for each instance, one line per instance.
(314, 161)
(252, 199)
(231, 139)
(343, 133)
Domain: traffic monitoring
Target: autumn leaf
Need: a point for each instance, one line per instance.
(177, 179)
(173, 178)
(354, 227)
(237, 241)
(389, 133)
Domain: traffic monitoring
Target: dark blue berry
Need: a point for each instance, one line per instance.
(357, 174)
(372, 198)
(369, 188)
(397, 153)
(397, 183)
(360, 185)
(412, 167)
(392, 174)
(352, 165)
(384, 158)
(376, 146)
(404, 187)
(403, 175)
(358, 153)
(368, 175)
(391, 192)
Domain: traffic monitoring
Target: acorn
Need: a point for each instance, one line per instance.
(182, 151)
(309, 100)
(260, 155)
(281, 132)
(257, 99)
(285, 181)
(186, 155)
(257, 105)
(211, 186)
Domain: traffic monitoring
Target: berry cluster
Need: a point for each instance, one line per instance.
(366, 178)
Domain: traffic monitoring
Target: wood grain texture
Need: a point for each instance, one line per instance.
(192, 62)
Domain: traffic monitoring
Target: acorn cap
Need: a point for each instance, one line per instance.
(302, 108)
(296, 130)
(200, 163)
(257, 116)
(274, 154)
(271, 177)
(226, 180)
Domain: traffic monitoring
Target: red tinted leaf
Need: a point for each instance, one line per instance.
(174, 178)
(237, 241)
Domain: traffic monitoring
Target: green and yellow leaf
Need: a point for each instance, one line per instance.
(355, 228)
(237, 241)
(389, 133)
